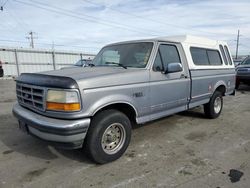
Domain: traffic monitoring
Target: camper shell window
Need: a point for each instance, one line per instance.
(203, 56)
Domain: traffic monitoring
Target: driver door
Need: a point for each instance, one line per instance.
(169, 92)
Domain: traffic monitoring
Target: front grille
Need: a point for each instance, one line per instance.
(30, 96)
(244, 70)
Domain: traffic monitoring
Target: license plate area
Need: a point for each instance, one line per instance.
(23, 127)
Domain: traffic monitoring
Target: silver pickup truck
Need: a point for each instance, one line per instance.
(127, 82)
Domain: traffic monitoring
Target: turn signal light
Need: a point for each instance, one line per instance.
(63, 106)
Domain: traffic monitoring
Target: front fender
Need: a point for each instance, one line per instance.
(107, 100)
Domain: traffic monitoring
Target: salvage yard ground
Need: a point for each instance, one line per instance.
(183, 150)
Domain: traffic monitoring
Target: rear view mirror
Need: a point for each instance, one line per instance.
(173, 67)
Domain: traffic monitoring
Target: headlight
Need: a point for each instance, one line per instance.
(62, 100)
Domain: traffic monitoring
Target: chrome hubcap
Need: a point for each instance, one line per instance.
(113, 138)
(217, 105)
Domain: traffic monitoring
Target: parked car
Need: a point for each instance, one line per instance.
(243, 73)
(237, 62)
(83, 63)
(129, 82)
(1, 69)
(80, 63)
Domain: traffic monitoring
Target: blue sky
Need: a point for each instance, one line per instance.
(85, 25)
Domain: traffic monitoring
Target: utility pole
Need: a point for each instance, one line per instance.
(31, 38)
(237, 44)
(53, 45)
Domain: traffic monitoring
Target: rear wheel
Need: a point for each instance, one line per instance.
(214, 107)
(108, 136)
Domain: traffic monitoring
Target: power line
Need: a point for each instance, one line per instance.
(18, 19)
(89, 19)
(5, 3)
(245, 45)
(92, 17)
(152, 20)
(245, 38)
(48, 44)
(1, 8)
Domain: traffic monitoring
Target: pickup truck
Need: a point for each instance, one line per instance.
(128, 82)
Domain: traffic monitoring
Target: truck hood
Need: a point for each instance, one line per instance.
(86, 77)
(79, 73)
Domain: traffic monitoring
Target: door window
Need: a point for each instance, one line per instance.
(166, 54)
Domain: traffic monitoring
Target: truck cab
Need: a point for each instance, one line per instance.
(127, 82)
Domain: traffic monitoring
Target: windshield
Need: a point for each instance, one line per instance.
(127, 55)
(247, 62)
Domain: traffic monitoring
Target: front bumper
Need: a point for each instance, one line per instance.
(243, 77)
(68, 134)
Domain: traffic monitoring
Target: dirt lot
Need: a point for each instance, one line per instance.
(183, 150)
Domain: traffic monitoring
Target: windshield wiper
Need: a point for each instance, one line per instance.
(113, 63)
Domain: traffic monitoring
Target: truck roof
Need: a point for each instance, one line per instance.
(191, 40)
(187, 42)
(183, 39)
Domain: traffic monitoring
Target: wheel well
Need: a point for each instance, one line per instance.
(127, 109)
(221, 89)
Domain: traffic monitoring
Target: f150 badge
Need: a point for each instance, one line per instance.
(138, 94)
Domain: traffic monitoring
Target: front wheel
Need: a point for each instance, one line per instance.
(108, 136)
(214, 107)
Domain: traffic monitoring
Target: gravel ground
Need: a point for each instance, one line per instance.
(182, 150)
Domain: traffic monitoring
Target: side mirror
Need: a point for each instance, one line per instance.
(173, 67)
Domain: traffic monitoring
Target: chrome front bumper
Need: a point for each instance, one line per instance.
(63, 133)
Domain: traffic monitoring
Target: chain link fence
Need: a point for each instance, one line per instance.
(16, 61)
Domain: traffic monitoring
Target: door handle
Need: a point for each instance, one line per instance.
(183, 76)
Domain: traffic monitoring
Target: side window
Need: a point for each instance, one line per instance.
(228, 55)
(202, 56)
(199, 56)
(214, 57)
(166, 54)
(223, 55)
(158, 63)
(169, 54)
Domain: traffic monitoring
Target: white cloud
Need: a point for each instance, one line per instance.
(93, 24)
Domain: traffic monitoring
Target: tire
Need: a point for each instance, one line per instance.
(108, 136)
(1, 72)
(214, 107)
